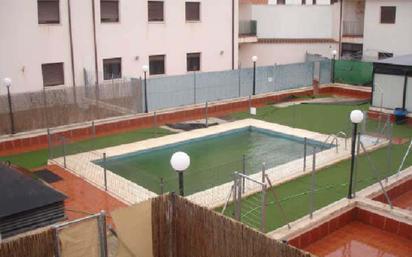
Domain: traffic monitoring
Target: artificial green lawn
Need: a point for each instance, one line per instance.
(326, 119)
(331, 184)
(38, 158)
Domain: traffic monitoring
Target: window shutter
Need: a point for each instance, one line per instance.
(155, 10)
(112, 68)
(193, 62)
(109, 10)
(48, 11)
(192, 11)
(388, 14)
(53, 74)
(156, 64)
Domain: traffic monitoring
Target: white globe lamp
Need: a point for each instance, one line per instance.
(356, 116)
(7, 82)
(180, 161)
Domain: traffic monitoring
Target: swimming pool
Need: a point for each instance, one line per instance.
(214, 159)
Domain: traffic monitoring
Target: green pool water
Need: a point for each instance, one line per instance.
(214, 159)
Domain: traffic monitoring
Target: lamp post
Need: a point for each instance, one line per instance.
(334, 53)
(145, 69)
(356, 117)
(180, 161)
(254, 60)
(7, 83)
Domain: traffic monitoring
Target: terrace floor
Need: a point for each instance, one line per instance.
(357, 239)
(83, 198)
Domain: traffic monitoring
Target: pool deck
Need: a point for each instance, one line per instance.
(83, 198)
(130, 192)
(357, 239)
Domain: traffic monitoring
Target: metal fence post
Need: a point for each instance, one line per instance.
(243, 171)
(263, 172)
(49, 142)
(56, 241)
(105, 171)
(390, 135)
(274, 77)
(304, 153)
(154, 119)
(239, 81)
(194, 87)
(238, 197)
(162, 185)
(206, 114)
(64, 152)
(263, 214)
(102, 233)
(312, 198)
(93, 129)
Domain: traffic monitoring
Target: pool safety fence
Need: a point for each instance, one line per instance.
(82, 237)
(53, 107)
(85, 161)
(304, 196)
(155, 228)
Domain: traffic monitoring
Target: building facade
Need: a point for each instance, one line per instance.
(388, 28)
(56, 43)
(284, 31)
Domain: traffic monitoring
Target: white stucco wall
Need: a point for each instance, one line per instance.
(295, 21)
(388, 91)
(408, 104)
(299, 2)
(393, 38)
(270, 54)
(25, 45)
(353, 10)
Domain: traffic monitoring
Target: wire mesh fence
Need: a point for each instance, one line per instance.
(303, 196)
(60, 106)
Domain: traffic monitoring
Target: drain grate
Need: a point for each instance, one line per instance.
(47, 176)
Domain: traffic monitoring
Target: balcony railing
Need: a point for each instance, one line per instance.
(247, 28)
(352, 28)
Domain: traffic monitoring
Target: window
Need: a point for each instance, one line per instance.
(156, 64)
(193, 61)
(303, 2)
(155, 11)
(112, 68)
(109, 10)
(48, 11)
(53, 74)
(384, 55)
(281, 2)
(314, 2)
(192, 11)
(388, 14)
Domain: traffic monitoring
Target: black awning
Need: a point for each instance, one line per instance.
(20, 193)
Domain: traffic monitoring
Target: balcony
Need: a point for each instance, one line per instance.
(352, 29)
(247, 31)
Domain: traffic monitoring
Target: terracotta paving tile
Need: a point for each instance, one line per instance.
(83, 198)
(404, 200)
(357, 239)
